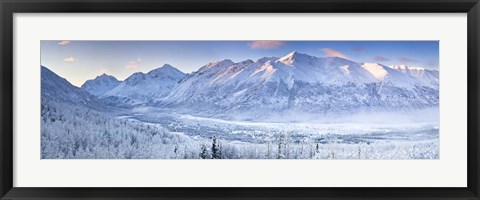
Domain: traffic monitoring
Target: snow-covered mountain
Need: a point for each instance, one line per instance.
(146, 87)
(101, 84)
(299, 82)
(56, 88)
(395, 77)
(295, 82)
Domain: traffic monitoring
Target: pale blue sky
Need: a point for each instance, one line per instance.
(78, 61)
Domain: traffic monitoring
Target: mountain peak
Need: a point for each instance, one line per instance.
(292, 53)
(168, 66)
(247, 62)
(165, 67)
(166, 70)
(105, 76)
(266, 59)
(148, 87)
(294, 56)
(100, 84)
(220, 63)
(217, 65)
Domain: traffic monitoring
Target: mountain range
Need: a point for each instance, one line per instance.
(294, 82)
(56, 88)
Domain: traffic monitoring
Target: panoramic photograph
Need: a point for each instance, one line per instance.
(263, 99)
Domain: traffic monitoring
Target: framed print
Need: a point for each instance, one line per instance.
(246, 100)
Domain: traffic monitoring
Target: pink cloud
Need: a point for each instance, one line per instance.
(331, 52)
(265, 44)
(406, 60)
(63, 43)
(69, 59)
(380, 59)
(134, 64)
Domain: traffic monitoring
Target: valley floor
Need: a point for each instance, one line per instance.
(76, 133)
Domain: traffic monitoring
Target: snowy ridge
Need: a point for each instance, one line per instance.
(101, 84)
(425, 76)
(377, 70)
(147, 87)
(394, 77)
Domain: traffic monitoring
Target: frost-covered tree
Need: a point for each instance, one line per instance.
(220, 155)
(281, 145)
(77, 132)
(203, 152)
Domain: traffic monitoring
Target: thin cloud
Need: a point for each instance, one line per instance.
(331, 52)
(265, 44)
(380, 59)
(63, 43)
(134, 64)
(69, 59)
(406, 59)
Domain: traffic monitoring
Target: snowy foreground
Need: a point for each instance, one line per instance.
(76, 132)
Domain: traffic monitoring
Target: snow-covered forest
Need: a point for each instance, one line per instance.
(76, 132)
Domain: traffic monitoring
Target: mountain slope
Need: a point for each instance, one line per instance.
(250, 89)
(101, 84)
(425, 76)
(56, 88)
(299, 82)
(149, 87)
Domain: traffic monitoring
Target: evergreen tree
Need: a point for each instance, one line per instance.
(203, 152)
(175, 151)
(215, 149)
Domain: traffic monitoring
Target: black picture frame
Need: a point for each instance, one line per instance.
(10, 7)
